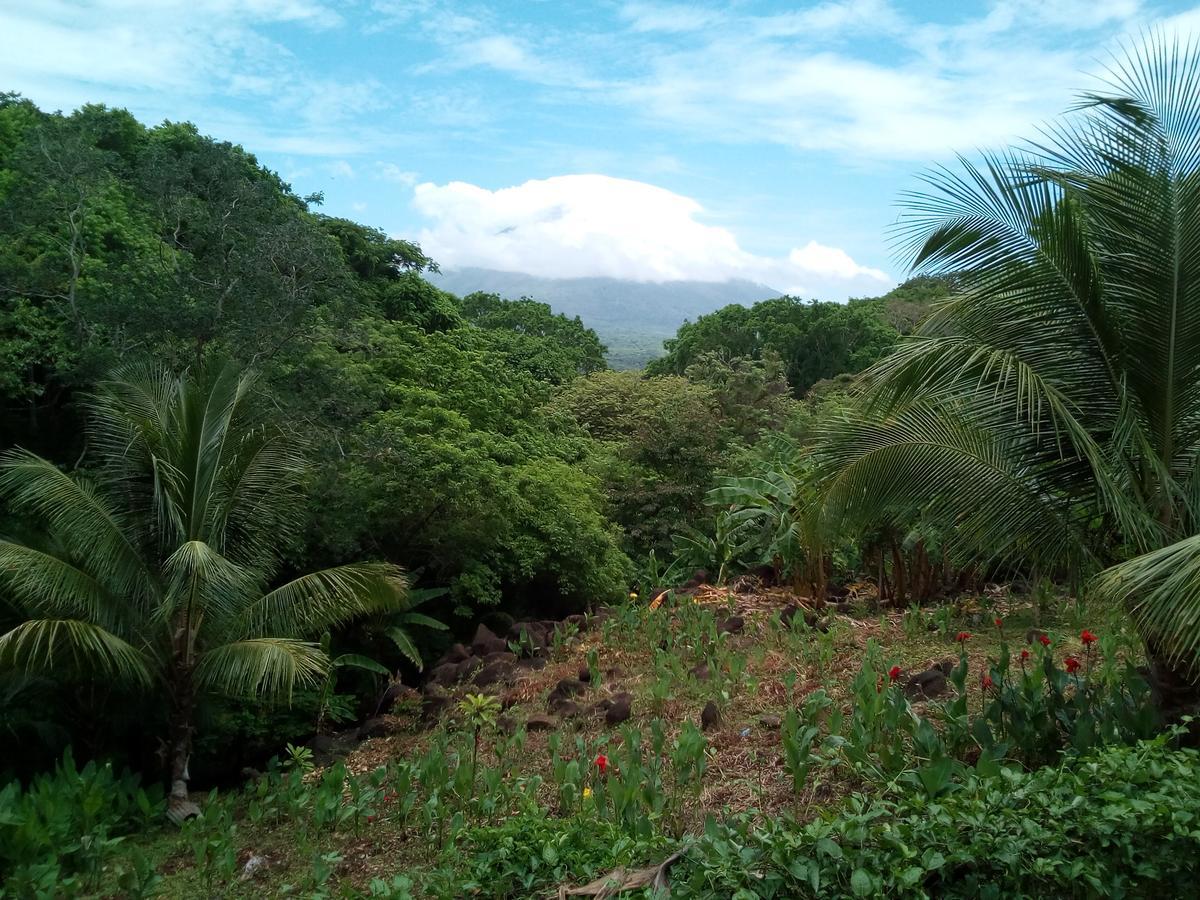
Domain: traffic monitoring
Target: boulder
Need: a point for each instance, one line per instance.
(378, 726)
(585, 675)
(565, 708)
(927, 684)
(445, 675)
(732, 625)
(541, 722)
(567, 687)
(620, 710)
(486, 642)
(533, 663)
(710, 716)
(434, 703)
(493, 673)
(503, 656)
(578, 620)
(770, 721)
(456, 654)
(700, 671)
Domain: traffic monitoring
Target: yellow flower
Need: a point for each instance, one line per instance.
(633, 595)
(587, 792)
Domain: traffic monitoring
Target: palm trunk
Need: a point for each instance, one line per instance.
(180, 730)
(1176, 689)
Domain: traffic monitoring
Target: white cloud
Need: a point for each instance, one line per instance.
(594, 225)
(341, 169)
(392, 172)
(861, 78)
(182, 59)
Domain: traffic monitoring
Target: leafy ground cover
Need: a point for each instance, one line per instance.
(778, 750)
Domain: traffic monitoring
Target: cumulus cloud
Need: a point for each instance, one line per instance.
(594, 225)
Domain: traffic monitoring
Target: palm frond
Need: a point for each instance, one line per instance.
(69, 648)
(46, 585)
(327, 598)
(1161, 590)
(86, 524)
(262, 667)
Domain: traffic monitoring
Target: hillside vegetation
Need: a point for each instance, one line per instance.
(317, 579)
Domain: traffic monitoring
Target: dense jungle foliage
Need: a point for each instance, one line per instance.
(249, 453)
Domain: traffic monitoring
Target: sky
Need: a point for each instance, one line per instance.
(655, 141)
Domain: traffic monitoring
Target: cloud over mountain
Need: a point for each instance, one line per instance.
(575, 226)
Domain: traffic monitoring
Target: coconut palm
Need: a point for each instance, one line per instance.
(155, 568)
(1048, 413)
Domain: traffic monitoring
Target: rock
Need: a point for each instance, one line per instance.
(946, 666)
(620, 710)
(602, 613)
(377, 727)
(394, 695)
(541, 722)
(585, 675)
(253, 866)
(506, 725)
(445, 674)
(533, 663)
(456, 654)
(486, 642)
(565, 708)
(530, 636)
(504, 656)
(578, 620)
(322, 743)
(434, 703)
(493, 673)
(844, 607)
(927, 684)
(699, 577)
(700, 671)
(567, 687)
(509, 699)
(732, 625)
(601, 706)
(788, 614)
(250, 773)
(710, 716)
(771, 721)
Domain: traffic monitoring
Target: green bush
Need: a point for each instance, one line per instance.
(1123, 822)
(56, 834)
(530, 853)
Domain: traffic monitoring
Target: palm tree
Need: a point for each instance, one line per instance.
(1048, 413)
(156, 570)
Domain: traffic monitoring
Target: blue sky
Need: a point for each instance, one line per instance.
(645, 140)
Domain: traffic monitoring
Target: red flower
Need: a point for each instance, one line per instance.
(370, 819)
(1024, 654)
(894, 673)
(1045, 639)
(602, 763)
(999, 622)
(1087, 637)
(963, 636)
(1071, 664)
(987, 682)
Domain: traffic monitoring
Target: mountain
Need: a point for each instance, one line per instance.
(632, 317)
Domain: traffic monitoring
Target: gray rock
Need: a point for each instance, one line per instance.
(541, 722)
(710, 716)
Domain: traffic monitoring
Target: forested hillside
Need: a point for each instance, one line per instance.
(480, 443)
(317, 579)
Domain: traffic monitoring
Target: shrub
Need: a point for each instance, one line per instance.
(1125, 820)
(530, 853)
(66, 823)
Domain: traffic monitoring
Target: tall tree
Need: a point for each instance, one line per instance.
(157, 569)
